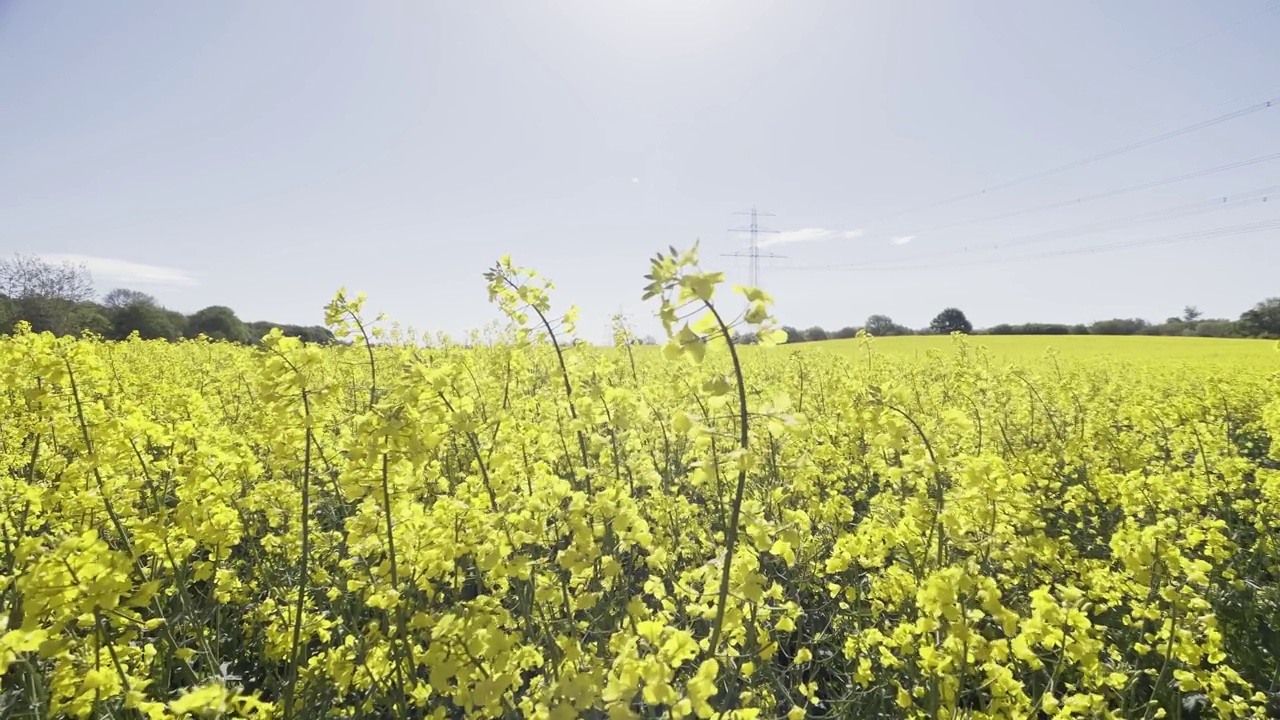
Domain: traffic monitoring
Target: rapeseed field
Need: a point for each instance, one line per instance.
(919, 528)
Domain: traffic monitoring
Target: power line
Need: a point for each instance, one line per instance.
(1208, 205)
(753, 249)
(1106, 247)
(1039, 175)
(1206, 36)
(1098, 196)
(1130, 69)
(1205, 107)
(1149, 242)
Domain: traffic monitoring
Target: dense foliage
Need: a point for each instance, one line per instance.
(533, 527)
(949, 321)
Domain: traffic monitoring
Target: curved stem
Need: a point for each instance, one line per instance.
(373, 365)
(731, 532)
(568, 386)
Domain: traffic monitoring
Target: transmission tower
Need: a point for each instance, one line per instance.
(753, 252)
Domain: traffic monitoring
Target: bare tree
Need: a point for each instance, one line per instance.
(25, 277)
(46, 294)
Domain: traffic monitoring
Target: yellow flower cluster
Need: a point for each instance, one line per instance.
(524, 526)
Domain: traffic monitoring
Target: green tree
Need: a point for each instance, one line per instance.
(1191, 313)
(1029, 329)
(89, 317)
(217, 322)
(1174, 326)
(8, 314)
(949, 321)
(259, 329)
(1217, 328)
(148, 320)
(1262, 319)
(883, 325)
(846, 333)
(815, 334)
(177, 320)
(1118, 326)
(312, 334)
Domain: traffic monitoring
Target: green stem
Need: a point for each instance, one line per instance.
(406, 652)
(97, 474)
(568, 386)
(731, 532)
(296, 651)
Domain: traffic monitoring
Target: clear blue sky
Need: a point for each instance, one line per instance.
(260, 155)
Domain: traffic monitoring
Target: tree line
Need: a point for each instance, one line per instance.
(61, 298)
(1260, 321)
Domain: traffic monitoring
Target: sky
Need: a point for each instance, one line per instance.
(263, 155)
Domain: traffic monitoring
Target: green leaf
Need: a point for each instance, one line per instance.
(697, 350)
(717, 386)
(757, 313)
(706, 324)
(772, 336)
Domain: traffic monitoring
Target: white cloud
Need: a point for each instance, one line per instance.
(810, 235)
(125, 272)
(903, 239)
(635, 180)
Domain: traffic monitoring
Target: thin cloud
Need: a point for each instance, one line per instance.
(810, 235)
(903, 239)
(635, 180)
(126, 272)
